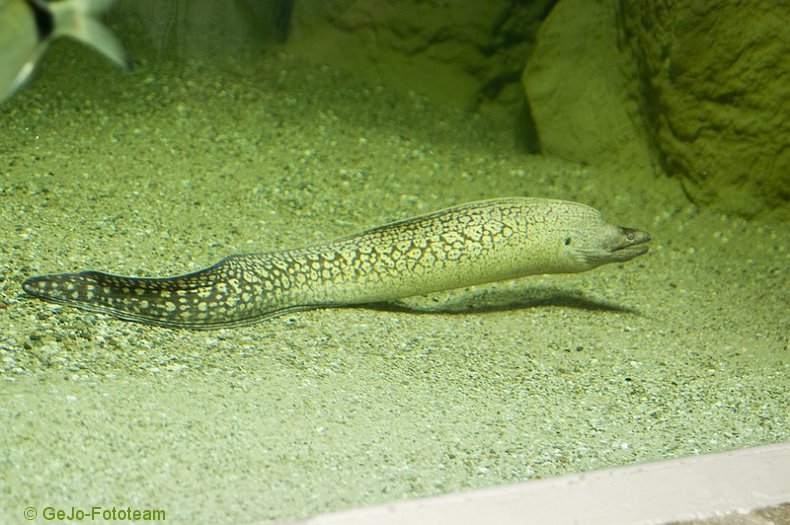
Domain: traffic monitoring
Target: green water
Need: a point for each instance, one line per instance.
(178, 164)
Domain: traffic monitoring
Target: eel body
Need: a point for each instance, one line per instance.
(470, 244)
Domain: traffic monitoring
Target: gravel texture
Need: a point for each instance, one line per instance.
(171, 167)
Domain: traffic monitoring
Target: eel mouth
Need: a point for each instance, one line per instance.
(632, 243)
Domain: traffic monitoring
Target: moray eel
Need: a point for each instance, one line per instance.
(470, 244)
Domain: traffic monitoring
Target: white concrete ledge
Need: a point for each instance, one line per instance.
(692, 488)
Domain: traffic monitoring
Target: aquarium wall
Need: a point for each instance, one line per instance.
(694, 91)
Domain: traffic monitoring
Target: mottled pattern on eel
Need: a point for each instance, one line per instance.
(470, 244)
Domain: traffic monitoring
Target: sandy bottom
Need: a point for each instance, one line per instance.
(168, 169)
